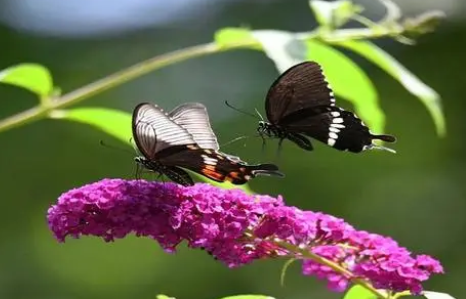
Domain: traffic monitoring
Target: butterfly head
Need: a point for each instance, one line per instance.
(147, 164)
(263, 128)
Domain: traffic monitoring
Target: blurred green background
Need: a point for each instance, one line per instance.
(416, 196)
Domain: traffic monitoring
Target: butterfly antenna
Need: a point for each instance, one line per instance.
(240, 138)
(241, 111)
(236, 139)
(259, 114)
(102, 143)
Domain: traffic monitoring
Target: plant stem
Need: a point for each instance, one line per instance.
(113, 80)
(334, 266)
(163, 60)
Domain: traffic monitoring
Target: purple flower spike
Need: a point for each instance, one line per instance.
(237, 228)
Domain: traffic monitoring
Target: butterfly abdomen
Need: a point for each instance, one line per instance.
(250, 171)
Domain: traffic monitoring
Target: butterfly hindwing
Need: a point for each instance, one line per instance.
(215, 165)
(194, 118)
(336, 127)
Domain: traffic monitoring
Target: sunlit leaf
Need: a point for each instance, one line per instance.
(437, 295)
(248, 297)
(30, 76)
(226, 185)
(227, 37)
(164, 297)
(424, 23)
(113, 122)
(334, 14)
(349, 81)
(427, 95)
(393, 13)
(282, 47)
(359, 292)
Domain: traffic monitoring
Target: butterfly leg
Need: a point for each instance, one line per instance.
(137, 173)
(160, 177)
(279, 147)
(263, 144)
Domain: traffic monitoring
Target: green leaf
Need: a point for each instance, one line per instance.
(334, 14)
(248, 297)
(161, 296)
(349, 81)
(31, 76)
(228, 37)
(118, 124)
(359, 292)
(385, 61)
(437, 295)
(282, 47)
(113, 122)
(226, 185)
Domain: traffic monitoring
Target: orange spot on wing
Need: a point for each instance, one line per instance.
(210, 167)
(211, 173)
(234, 175)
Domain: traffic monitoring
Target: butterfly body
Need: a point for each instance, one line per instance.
(274, 131)
(301, 104)
(183, 139)
(175, 174)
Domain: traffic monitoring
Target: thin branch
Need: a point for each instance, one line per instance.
(163, 60)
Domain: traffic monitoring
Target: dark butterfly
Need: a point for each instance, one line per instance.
(184, 139)
(301, 104)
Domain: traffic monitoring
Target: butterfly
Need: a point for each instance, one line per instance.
(184, 138)
(301, 104)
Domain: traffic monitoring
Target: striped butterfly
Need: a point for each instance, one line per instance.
(184, 138)
(301, 104)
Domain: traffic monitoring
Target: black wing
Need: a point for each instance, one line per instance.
(336, 127)
(214, 165)
(303, 86)
(301, 101)
(154, 131)
(194, 118)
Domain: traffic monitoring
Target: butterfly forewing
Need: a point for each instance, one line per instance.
(154, 131)
(303, 86)
(194, 118)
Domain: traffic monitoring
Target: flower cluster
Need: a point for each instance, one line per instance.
(237, 228)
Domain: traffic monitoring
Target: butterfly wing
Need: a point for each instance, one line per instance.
(178, 175)
(214, 165)
(301, 101)
(334, 126)
(302, 86)
(154, 131)
(194, 118)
